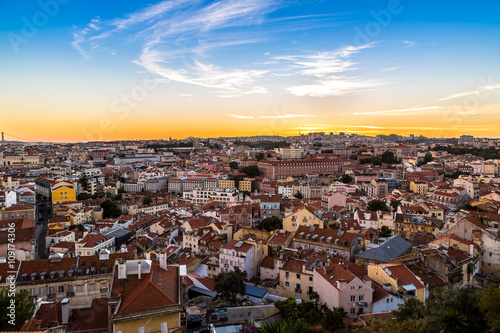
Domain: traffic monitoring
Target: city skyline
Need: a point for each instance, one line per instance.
(88, 71)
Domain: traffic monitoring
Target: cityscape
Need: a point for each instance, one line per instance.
(230, 166)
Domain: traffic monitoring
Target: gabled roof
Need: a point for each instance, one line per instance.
(157, 289)
(392, 248)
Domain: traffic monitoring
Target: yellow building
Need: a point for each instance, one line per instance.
(401, 280)
(63, 192)
(246, 185)
(301, 215)
(226, 183)
(419, 187)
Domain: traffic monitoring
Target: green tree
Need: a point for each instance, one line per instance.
(413, 308)
(77, 226)
(376, 161)
(334, 320)
(288, 308)
(83, 196)
(346, 179)
(84, 182)
(454, 321)
(389, 158)
(298, 195)
(23, 309)
(230, 284)
(385, 231)
(287, 326)
(270, 224)
(489, 303)
(376, 205)
(110, 209)
(428, 158)
(250, 171)
(395, 204)
(147, 201)
(259, 156)
(233, 165)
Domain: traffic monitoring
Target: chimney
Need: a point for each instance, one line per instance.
(65, 311)
(163, 328)
(148, 256)
(471, 250)
(163, 261)
(139, 269)
(122, 270)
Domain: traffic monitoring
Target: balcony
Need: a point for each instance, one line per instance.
(70, 294)
(104, 290)
(298, 291)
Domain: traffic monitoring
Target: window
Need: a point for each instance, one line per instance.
(361, 298)
(353, 298)
(310, 278)
(60, 289)
(287, 284)
(353, 311)
(298, 276)
(41, 291)
(352, 287)
(286, 274)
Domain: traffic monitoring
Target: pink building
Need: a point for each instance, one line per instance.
(332, 199)
(337, 286)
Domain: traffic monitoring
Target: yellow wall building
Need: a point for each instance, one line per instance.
(63, 192)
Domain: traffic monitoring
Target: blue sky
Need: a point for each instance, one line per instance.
(365, 66)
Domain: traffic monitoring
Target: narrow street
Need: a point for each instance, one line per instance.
(44, 213)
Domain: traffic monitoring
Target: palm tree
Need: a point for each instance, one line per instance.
(454, 321)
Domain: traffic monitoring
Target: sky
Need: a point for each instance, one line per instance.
(106, 70)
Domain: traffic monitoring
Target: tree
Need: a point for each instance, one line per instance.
(230, 284)
(385, 231)
(395, 204)
(84, 182)
(413, 308)
(489, 303)
(428, 158)
(346, 179)
(334, 320)
(269, 155)
(259, 156)
(270, 224)
(233, 165)
(287, 326)
(376, 161)
(110, 209)
(147, 201)
(299, 195)
(389, 158)
(454, 321)
(83, 196)
(250, 171)
(77, 226)
(376, 205)
(288, 308)
(23, 309)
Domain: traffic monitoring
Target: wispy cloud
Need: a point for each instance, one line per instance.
(409, 43)
(396, 111)
(172, 36)
(390, 69)
(481, 90)
(328, 69)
